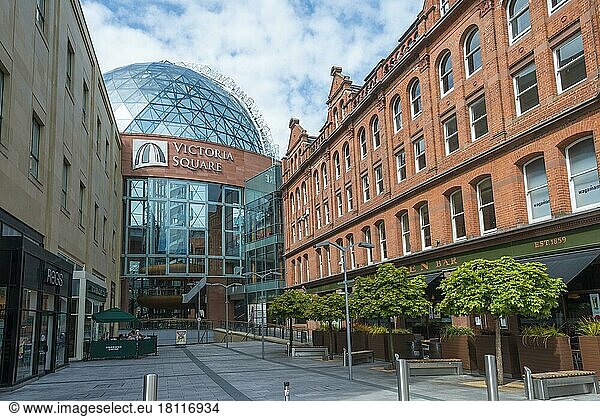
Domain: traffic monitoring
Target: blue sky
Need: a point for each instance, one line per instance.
(278, 51)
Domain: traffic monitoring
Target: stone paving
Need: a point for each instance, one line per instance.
(214, 373)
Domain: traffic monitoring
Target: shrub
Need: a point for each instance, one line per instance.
(360, 327)
(589, 326)
(532, 335)
(402, 331)
(450, 331)
(378, 330)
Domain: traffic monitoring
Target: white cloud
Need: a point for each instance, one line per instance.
(279, 52)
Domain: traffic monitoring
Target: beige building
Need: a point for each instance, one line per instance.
(59, 168)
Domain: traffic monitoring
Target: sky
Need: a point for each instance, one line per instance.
(279, 52)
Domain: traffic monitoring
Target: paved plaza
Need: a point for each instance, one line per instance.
(214, 373)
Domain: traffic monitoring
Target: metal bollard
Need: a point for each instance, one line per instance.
(402, 374)
(528, 382)
(150, 387)
(491, 378)
(345, 358)
(286, 391)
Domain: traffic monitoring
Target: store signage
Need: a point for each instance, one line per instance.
(149, 153)
(93, 289)
(54, 277)
(561, 240)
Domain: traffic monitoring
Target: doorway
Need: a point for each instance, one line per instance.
(45, 347)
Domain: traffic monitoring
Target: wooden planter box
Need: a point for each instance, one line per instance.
(590, 353)
(546, 354)
(359, 341)
(460, 347)
(402, 345)
(318, 338)
(378, 343)
(486, 345)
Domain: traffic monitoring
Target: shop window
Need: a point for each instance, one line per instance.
(487, 213)
(583, 175)
(569, 61)
(526, 90)
(473, 61)
(536, 190)
(458, 216)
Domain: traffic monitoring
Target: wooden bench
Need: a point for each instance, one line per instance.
(311, 351)
(360, 356)
(420, 367)
(557, 384)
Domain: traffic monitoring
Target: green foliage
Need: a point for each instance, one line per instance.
(291, 304)
(378, 330)
(450, 331)
(328, 307)
(589, 326)
(501, 287)
(401, 331)
(360, 327)
(389, 293)
(541, 331)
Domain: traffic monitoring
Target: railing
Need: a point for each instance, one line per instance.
(301, 335)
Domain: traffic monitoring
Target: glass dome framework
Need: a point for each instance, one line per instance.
(162, 98)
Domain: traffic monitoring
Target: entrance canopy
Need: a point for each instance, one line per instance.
(566, 265)
(114, 315)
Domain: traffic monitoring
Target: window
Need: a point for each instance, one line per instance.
(70, 64)
(365, 187)
(478, 117)
(340, 207)
(293, 233)
(401, 165)
(451, 135)
(473, 60)
(350, 245)
(425, 226)
(570, 63)
(405, 227)
(1, 101)
(292, 202)
(342, 255)
(299, 229)
(320, 255)
(318, 213)
(444, 7)
(40, 14)
(316, 178)
(420, 161)
(583, 175)
(84, 102)
(536, 190)
(375, 132)
(324, 173)
(307, 267)
(328, 259)
(106, 155)
(349, 202)
(96, 208)
(335, 118)
(458, 216)
(397, 114)
(306, 222)
(34, 152)
(382, 241)
(485, 200)
(553, 5)
(519, 21)
(446, 78)
(326, 209)
(65, 184)
(304, 193)
(298, 201)
(379, 180)
(415, 98)
(347, 162)
(336, 164)
(526, 91)
(80, 209)
(98, 134)
(362, 137)
(301, 269)
(367, 239)
(104, 222)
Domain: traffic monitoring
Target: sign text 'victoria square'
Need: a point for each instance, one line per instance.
(194, 155)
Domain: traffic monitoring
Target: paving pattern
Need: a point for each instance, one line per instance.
(214, 373)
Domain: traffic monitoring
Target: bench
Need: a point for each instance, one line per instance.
(431, 367)
(311, 351)
(557, 384)
(360, 356)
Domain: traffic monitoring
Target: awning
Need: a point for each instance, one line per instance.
(566, 265)
(432, 276)
(114, 315)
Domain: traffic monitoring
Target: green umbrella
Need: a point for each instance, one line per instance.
(113, 315)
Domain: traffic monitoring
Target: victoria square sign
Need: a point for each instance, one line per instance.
(155, 153)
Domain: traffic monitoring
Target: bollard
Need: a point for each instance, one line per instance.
(528, 382)
(286, 391)
(402, 373)
(150, 387)
(345, 358)
(491, 378)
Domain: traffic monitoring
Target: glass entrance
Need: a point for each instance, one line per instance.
(45, 349)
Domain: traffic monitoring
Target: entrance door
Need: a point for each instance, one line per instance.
(45, 350)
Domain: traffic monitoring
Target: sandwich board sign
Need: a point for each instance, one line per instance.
(180, 337)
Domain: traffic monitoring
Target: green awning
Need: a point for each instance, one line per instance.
(113, 315)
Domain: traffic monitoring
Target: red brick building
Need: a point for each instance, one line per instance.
(477, 136)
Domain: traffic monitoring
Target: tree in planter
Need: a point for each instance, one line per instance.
(501, 288)
(328, 308)
(389, 293)
(292, 304)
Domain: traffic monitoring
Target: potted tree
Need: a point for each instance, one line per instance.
(589, 344)
(327, 308)
(502, 288)
(389, 293)
(290, 305)
(457, 343)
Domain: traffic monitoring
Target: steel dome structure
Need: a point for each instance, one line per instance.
(185, 101)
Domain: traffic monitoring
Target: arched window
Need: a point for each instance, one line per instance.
(472, 52)
(397, 114)
(583, 175)
(343, 112)
(425, 226)
(347, 161)
(458, 216)
(324, 174)
(415, 98)
(317, 184)
(292, 202)
(298, 198)
(485, 202)
(446, 78)
(375, 132)
(367, 239)
(536, 190)
(519, 21)
(405, 228)
(382, 240)
(362, 138)
(304, 193)
(336, 164)
(335, 118)
(351, 263)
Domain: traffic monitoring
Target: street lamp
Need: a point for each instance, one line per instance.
(226, 287)
(343, 249)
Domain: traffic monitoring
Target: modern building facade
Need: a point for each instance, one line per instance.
(189, 145)
(61, 188)
(477, 136)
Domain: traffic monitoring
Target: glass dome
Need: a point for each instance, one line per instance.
(166, 99)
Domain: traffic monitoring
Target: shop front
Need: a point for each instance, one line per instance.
(35, 288)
